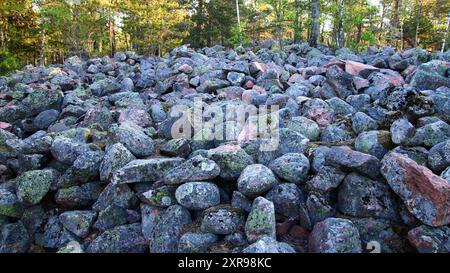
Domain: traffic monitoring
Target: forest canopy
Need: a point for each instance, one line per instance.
(41, 32)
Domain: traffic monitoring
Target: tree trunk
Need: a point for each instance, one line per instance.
(444, 40)
(297, 23)
(112, 33)
(315, 24)
(42, 53)
(394, 22)
(416, 36)
(340, 25)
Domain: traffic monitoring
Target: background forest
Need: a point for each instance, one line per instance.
(47, 31)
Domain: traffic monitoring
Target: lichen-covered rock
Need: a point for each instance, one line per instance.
(222, 220)
(362, 122)
(286, 199)
(401, 131)
(167, 229)
(134, 139)
(350, 160)
(261, 220)
(66, 150)
(120, 195)
(439, 156)
(163, 196)
(197, 168)
(334, 235)
(196, 242)
(326, 179)
(116, 157)
(376, 143)
(110, 217)
(231, 159)
(32, 186)
(14, 238)
(268, 245)
(292, 167)
(425, 194)
(122, 239)
(255, 180)
(78, 222)
(427, 239)
(176, 147)
(145, 170)
(304, 126)
(78, 196)
(379, 231)
(362, 197)
(198, 195)
(10, 205)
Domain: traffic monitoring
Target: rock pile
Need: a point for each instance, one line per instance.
(88, 161)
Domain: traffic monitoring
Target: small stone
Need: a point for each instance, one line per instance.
(168, 228)
(32, 186)
(222, 220)
(231, 159)
(239, 201)
(304, 126)
(120, 195)
(14, 238)
(196, 168)
(134, 139)
(176, 147)
(110, 217)
(122, 239)
(116, 157)
(362, 122)
(268, 245)
(255, 180)
(350, 160)
(78, 196)
(78, 222)
(261, 220)
(66, 150)
(327, 179)
(71, 247)
(44, 119)
(402, 130)
(426, 239)
(334, 235)
(376, 143)
(10, 205)
(198, 195)
(196, 242)
(286, 199)
(362, 197)
(318, 208)
(292, 167)
(439, 156)
(145, 170)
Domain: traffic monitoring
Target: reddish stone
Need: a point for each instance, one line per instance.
(396, 81)
(296, 78)
(356, 68)
(249, 85)
(425, 194)
(5, 126)
(360, 83)
(409, 70)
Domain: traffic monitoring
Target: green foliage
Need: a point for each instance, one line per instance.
(8, 61)
(56, 29)
(239, 36)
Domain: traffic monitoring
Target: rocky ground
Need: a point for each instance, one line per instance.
(87, 161)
